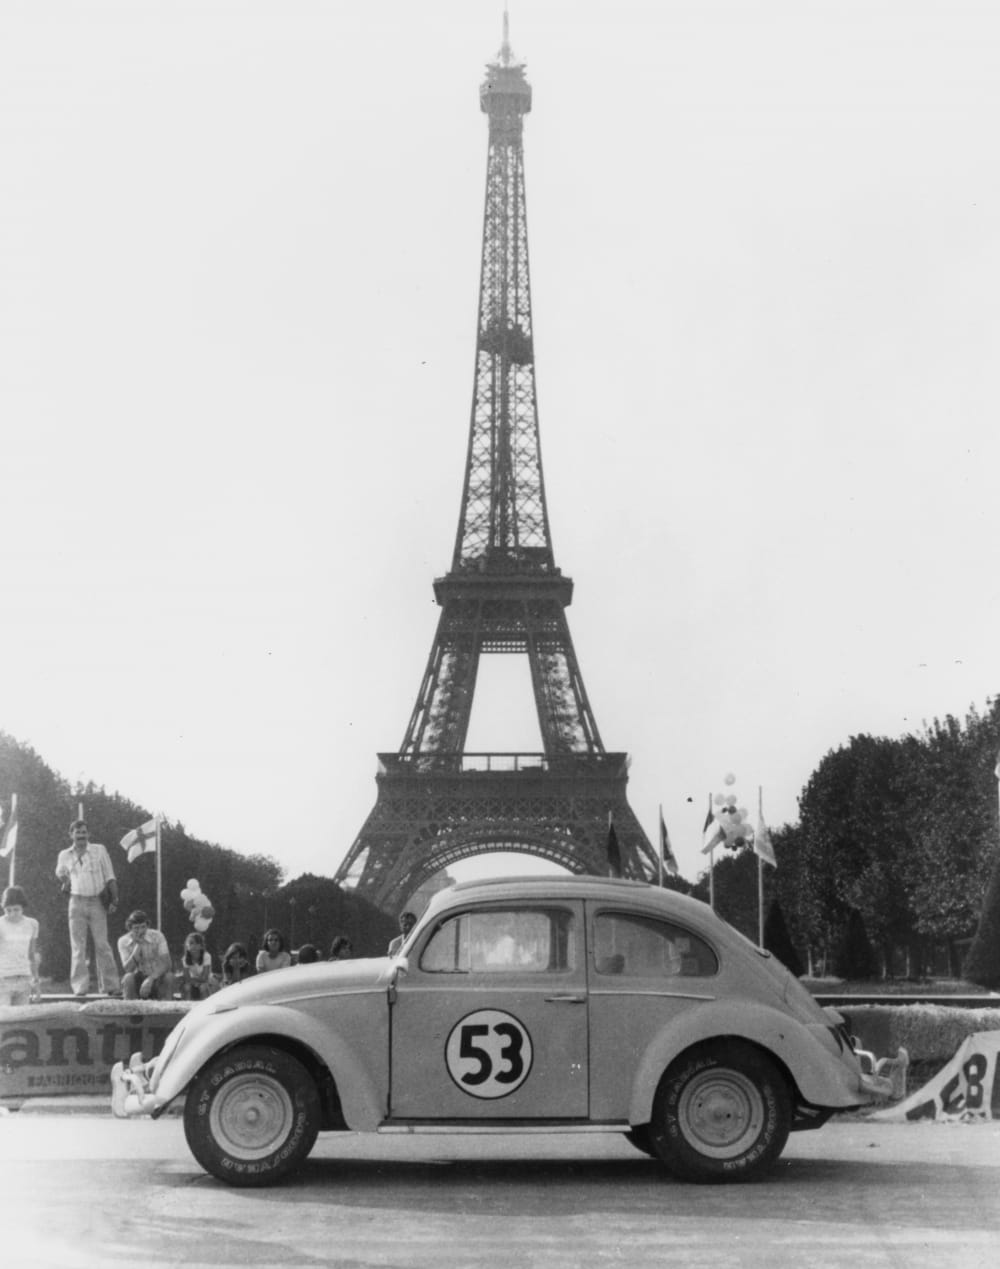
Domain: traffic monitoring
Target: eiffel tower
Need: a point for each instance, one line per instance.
(436, 803)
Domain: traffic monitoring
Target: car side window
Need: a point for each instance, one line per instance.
(644, 947)
(502, 941)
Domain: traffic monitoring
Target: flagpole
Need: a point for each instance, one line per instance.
(660, 862)
(760, 874)
(711, 854)
(13, 851)
(159, 878)
(760, 903)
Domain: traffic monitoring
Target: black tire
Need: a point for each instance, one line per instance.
(640, 1138)
(722, 1113)
(252, 1115)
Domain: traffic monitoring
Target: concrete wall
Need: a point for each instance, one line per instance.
(49, 1050)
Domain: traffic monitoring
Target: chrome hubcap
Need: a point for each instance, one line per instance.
(251, 1116)
(721, 1113)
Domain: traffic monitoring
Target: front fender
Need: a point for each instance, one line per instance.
(822, 1077)
(361, 1078)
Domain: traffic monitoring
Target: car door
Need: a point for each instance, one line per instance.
(645, 973)
(489, 1020)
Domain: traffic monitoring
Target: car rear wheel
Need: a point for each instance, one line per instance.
(722, 1113)
(252, 1115)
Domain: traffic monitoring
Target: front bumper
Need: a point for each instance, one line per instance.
(130, 1089)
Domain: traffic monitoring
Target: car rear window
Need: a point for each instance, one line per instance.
(644, 947)
(502, 941)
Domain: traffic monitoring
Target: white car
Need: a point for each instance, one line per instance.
(568, 1004)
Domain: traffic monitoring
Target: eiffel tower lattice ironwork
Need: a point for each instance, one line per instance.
(437, 804)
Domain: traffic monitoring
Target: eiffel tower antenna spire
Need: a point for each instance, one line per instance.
(503, 594)
(505, 54)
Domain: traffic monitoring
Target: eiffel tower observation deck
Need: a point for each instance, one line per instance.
(436, 803)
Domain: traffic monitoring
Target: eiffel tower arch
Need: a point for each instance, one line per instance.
(436, 803)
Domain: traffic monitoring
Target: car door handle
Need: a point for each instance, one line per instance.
(565, 1000)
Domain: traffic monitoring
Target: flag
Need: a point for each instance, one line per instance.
(667, 851)
(141, 840)
(710, 843)
(762, 838)
(614, 852)
(8, 838)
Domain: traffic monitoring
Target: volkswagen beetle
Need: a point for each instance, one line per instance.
(562, 1003)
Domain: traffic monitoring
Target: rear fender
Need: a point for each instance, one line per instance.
(361, 1079)
(821, 1078)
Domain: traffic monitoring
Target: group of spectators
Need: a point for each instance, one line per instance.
(87, 876)
(197, 977)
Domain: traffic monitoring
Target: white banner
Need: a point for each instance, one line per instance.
(967, 1089)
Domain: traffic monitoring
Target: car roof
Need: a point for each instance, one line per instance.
(551, 881)
(575, 886)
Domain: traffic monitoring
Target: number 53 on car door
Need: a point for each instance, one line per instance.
(489, 1054)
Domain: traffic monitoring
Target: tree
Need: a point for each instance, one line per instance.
(982, 965)
(854, 957)
(954, 825)
(321, 909)
(778, 942)
(789, 885)
(856, 837)
(678, 884)
(735, 886)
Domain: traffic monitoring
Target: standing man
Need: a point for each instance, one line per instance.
(407, 921)
(85, 872)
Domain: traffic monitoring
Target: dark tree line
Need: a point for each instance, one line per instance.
(889, 867)
(247, 892)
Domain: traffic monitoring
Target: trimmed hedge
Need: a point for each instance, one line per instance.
(929, 1033)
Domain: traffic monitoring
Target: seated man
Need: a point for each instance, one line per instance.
(147, 970)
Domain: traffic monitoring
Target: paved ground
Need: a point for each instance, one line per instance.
(84, 1191)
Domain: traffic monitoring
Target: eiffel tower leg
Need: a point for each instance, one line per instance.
(566, 720)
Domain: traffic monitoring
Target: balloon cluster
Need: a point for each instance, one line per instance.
(200, 910)
(732, 819)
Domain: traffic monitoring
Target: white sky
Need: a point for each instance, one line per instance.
(239, 267)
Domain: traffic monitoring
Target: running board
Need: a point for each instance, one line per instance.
(499, 1126)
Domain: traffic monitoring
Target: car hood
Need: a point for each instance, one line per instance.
(325, 978)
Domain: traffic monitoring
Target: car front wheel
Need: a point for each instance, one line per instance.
(722, 1113)
(252, 1115)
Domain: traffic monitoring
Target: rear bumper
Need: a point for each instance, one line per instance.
(876, 1085)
